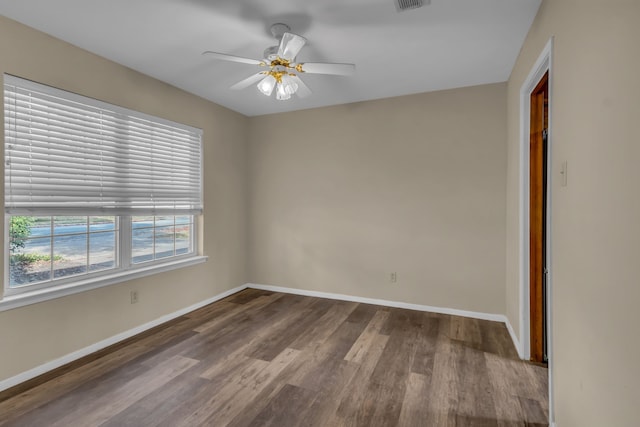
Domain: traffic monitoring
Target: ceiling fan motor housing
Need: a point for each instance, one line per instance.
(271, 53)
(278, 30)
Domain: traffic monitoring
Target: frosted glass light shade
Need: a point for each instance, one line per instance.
(290, 86)
(267, 84)
(281, 93)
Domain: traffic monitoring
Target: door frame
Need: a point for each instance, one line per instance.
(538, 175)
(542, 65)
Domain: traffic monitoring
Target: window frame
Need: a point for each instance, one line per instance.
(31, 294)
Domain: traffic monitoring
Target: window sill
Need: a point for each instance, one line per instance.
(26, 298)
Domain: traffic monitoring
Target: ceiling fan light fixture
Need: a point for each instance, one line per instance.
(289, 85)
(282, 94)
(282, 74)
(267, 84)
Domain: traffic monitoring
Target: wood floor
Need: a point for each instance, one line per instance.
(269, 359)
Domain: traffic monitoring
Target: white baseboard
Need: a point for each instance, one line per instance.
(49, 366)
(397, 304)
(514, 338)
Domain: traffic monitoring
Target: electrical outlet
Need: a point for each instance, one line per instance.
(393, 278)
(134, 297)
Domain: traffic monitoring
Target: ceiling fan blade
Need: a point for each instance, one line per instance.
(303, 90)
(248, 81)
(233, 58)
(326, 68)
(290, 45)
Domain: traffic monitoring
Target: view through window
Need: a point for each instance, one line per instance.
(46, 248)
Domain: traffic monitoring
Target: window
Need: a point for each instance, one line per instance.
(93, 190)
(160, 237)
(46, 248)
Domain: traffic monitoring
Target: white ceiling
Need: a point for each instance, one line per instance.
(447, 44)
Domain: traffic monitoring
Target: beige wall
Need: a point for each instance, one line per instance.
(340, 197)
(35, 334)
(343, 196)
(595, 231)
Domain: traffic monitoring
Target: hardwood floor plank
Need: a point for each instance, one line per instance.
(96, 409)
(286, 408)
(321, 369)
(251, 344)
(329, 340)
(533, 410)
(32, 409)
(497, 340)
(465, 329)
(235, 331)
(236, 394)
(386, 391)
(202, 399)
(210, 311)
(238, 310)
(308, 370)
(280, 336)
(507, 405)
(334, 349)
(247, 295)
(363, 313)
(160, 404)
(426, 344)
(103, 370)
(475, 394)
(329, 390)
(414, 406)
(325, 326)
(352, 397)
(360, 348)
(261, 358)
(94, 367)
(443, 394)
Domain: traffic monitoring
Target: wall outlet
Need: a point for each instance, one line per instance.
(393, 278)
(134, 297)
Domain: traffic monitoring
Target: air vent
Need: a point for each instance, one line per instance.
(402, 5)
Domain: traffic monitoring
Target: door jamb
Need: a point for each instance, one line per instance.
(542, 65)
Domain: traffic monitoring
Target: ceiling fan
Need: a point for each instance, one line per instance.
(282, 72)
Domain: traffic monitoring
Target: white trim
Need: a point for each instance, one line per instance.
(386, 303)
(543, 64)
(514, 337)
(540, 67)
(10, 302)
(49, 366)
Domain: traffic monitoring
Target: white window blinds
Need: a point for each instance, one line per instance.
(68, 154)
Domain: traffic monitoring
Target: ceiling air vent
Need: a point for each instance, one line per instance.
(402, 5)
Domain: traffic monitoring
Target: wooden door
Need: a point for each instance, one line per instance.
(537, 218)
